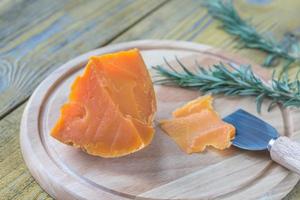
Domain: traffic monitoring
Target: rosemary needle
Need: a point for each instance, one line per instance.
(232, 80)
(232, 23)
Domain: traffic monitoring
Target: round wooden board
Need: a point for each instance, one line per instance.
(162, 170)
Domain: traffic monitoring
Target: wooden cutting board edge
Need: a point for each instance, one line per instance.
(36, 156)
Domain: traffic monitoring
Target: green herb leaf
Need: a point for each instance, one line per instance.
(232, 80)
(232, 23)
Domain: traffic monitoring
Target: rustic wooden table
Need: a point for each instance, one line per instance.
(36, 37)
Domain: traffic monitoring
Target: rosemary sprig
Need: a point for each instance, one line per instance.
(232, 23)
(233, 81)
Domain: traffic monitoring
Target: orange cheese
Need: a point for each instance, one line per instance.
(196, 125)
(194, 106)
(111, 107)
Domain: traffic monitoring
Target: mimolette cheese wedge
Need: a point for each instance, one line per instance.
(111, 107)
(196, 125)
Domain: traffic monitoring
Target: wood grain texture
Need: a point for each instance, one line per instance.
(287, 153)
(163, 171)
(190, 23)
(16, 181)
(37, 36)
(273, 17)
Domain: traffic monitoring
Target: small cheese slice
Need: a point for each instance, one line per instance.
(194, 106)
(196, 125)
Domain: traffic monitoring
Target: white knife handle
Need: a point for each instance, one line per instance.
(286, 152)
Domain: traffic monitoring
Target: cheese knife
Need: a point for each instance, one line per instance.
(255, 134)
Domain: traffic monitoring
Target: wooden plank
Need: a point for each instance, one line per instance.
(194, 24)
(15, 180)
(37, 37)
(191, 23)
